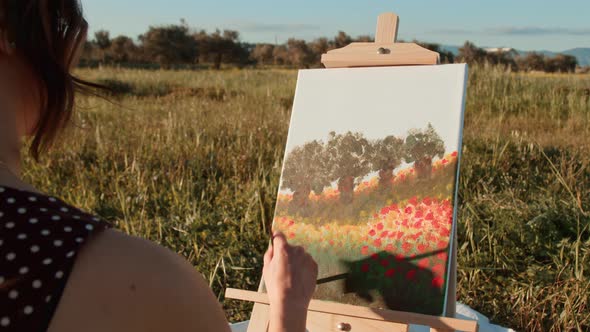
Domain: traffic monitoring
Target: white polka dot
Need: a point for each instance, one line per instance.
(2, 189)
(95, 219)
(1, 280)
(43, 209)
(59, 274)
(1, 242)
(23, 270)
(10, 200)
(45, 232)
(89, 227)
(58, 243)
(22, 236)
(55, 218)
(5, 321)
(52, 199)
(9, 225)
(48, 298)
(35, 249)
(67, 229)
(28, 310)
(13, 294)
(37, 283)
(1, 214)
(10, 256)
(76, 217)
(70, 254)
(33, 220)
(32, 198)
(64, 209)
(79, 240)
(47, 261)
(22, 211)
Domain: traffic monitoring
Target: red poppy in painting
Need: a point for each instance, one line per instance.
(399, 258)
(372, 232)
(454, 154)
(384, 234)
(444, 161)
(419, 214)
(411, 275)
(389, 273)
(375, 216)
(380, 226)
(413, 200)
(375, 256)
(423, 263)
(408, 210)
(384, 262)
(429, 216)
(437, 282)
(442, 256)
(365, 267)
(422, 248)
(365, 250)
(389, 247)
(427, 200)
(407, 246)
(445, 232)
(385, 210)
(442, 244)
(377, 243)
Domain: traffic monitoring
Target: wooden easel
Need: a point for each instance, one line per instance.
(328, 316)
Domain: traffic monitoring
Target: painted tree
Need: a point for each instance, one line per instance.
(348, 158)
(304, 171)
(421, 147)
(388, 154)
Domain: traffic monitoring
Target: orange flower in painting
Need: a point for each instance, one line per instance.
(365, 250)
(377, 243)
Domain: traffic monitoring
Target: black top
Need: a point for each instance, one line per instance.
(40, 237)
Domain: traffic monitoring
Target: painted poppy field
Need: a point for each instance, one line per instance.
(390, 249)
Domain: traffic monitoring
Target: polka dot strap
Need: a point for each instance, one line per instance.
(40, 237)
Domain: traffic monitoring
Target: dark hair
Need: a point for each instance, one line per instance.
(48, 35)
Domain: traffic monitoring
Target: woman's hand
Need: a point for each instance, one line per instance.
(290, 276)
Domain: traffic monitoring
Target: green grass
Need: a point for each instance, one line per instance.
(191, 160)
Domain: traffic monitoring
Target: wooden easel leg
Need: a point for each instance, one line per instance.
(452, 297)
(260, 318)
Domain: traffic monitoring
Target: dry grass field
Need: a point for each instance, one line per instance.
(192, 159)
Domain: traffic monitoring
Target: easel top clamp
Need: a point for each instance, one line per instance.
(385, 51)
(333, 317)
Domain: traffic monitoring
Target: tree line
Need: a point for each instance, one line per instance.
(345, 158)
(179, 45)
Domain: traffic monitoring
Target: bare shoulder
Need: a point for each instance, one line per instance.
(124, 283)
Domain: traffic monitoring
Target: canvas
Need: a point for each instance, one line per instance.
(369, 182)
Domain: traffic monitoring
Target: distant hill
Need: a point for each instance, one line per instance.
(581, 53)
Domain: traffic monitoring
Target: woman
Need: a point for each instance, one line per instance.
(64, 270)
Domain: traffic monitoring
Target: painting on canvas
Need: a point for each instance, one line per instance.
(369, 182)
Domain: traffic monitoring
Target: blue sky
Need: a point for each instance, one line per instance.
(523, 24)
